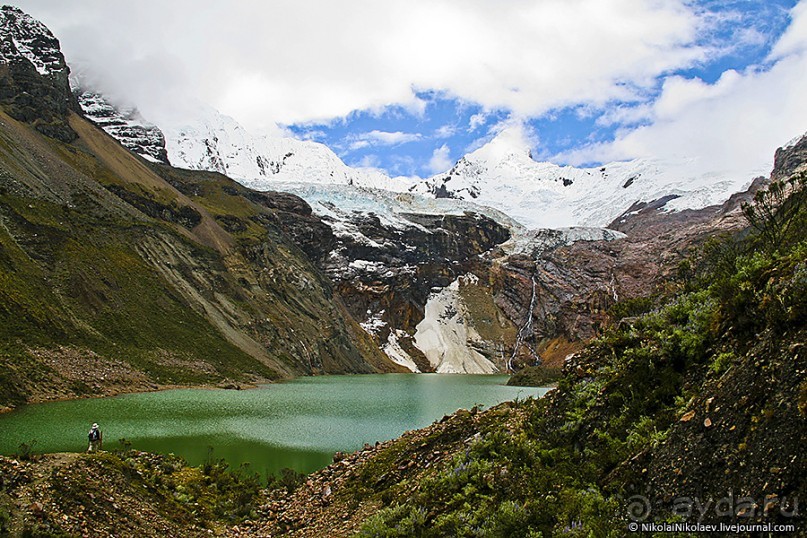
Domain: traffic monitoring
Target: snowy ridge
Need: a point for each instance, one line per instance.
(216, 142)
(794, 141)
(338, 205)
(125, 124)
(31, 39)
(503, 175)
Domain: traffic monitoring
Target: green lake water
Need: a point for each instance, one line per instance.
(298, 424)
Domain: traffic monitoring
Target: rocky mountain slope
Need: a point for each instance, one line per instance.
(33, 75)
(382, 265)
(536, 299)
(125, 124)
(155, 276)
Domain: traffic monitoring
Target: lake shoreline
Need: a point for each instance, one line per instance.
(299, 424)
(114, 390)
(111, 392)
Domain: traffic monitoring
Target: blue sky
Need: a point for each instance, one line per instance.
(403, 140)
(409, 86)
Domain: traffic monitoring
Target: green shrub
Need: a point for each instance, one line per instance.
(26, 451)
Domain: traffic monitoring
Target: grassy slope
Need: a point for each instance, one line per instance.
(99, 253)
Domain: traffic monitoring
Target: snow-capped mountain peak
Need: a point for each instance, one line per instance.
(503, 175)
(510, 142)
(214, 141)
(31, 39)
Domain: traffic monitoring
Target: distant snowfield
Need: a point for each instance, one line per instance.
(503, 175)
(500, 175)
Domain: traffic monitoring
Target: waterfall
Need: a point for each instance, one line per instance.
(524, 330)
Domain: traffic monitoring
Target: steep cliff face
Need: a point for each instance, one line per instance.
(790, 159)
(390, 254)
(560, 294)
(34, 85)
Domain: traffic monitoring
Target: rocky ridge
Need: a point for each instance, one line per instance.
(125, 124)
(34, 85)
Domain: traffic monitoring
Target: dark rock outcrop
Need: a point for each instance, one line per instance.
(789, 160)
(388, 273)
(34, 85)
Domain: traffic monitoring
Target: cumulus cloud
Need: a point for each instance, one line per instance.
(731, 126)
(440, 160)
(292, 61)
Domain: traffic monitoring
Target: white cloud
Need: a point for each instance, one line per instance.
(316, 135)
(440, 160)
(293, 61)
(386, 138)
(476, 121)
(380, 138)
(445, 131)
(509, 133)
(358, 144)
(299, 61)
(794, 40)
(368, 161)
(731, 126)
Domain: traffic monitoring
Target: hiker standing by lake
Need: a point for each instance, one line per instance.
(96, 439)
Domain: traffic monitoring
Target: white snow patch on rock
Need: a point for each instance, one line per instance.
(396, 353)
(445, 336)
(374, 323)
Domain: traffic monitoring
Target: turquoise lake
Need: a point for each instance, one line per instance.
(298, 424)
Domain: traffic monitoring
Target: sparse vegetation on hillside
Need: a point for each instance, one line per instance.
(735, 331)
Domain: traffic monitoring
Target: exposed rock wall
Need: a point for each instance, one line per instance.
(34, 85)
(125, 124)
(577, 283)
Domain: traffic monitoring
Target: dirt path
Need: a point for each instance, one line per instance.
(31, 479)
